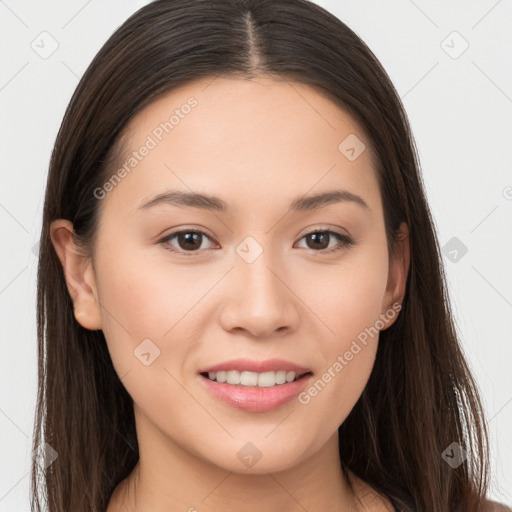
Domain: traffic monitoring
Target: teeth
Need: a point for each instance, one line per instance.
(249, 379)
(233, 377)
(262, 380)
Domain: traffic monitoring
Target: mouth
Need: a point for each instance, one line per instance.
(254, 379)
(255, 391)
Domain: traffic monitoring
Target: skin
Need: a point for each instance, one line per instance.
(257, 144)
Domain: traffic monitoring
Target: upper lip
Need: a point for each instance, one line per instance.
(251, 365)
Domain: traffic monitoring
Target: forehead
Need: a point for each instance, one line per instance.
(241, 108)
(251, 138)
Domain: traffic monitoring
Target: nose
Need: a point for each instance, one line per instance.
(260, 300)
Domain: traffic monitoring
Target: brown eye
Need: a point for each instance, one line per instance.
(187, 240)
(191, 241)
(320, 241)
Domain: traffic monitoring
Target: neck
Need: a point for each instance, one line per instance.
(169, 478)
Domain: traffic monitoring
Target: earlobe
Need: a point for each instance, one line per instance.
(398, 272)
(78, 273)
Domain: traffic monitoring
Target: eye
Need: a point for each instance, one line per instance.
(188, 240)
(191, 241)
(320, 241)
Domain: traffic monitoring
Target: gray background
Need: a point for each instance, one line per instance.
(460, 107)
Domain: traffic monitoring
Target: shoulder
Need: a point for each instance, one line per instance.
(373, 501)
(494, 506)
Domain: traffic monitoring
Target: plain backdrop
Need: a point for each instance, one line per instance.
(450, 62)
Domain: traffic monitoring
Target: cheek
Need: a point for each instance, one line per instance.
(147, 295)
(348, 299)
(347, 359)
(333, 393)
(144, 297)
(347, 296)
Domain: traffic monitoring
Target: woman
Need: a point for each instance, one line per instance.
(241, 303)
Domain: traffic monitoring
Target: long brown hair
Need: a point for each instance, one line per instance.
(420, 397)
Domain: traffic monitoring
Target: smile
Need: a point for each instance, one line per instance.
(256, 398)
(261, 380)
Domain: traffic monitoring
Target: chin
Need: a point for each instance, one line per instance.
(259, 456)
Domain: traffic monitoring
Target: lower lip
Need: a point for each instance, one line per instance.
(255, 399)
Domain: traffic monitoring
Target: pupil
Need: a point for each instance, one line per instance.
(316, 236)
(189, 239)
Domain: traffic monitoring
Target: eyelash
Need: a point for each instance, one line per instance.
(344, 239)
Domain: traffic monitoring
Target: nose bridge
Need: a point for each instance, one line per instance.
(259, 281)
(261, 302)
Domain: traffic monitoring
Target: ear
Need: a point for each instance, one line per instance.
(79, 274)
(397, 276)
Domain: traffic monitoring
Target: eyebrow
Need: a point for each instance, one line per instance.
(207, 202)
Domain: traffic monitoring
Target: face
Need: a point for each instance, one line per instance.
(182, 284)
